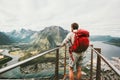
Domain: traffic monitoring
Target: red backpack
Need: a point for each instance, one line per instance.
(81, 41)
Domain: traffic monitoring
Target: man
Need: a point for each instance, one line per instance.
(76, 56)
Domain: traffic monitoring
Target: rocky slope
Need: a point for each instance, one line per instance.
(49, 37)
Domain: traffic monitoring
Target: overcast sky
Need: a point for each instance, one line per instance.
(98, 16)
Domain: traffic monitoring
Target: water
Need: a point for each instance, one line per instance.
(14, 58)
(107, 50)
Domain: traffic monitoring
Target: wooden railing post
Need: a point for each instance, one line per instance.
(57, 65)
(65, 62)
(91, 67)
(98, 67)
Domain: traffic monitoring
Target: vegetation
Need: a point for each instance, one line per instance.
(42, 59)
(4, 60)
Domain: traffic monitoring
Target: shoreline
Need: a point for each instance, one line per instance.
(5, 58)
(114, 44)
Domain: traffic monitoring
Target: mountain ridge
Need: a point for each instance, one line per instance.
(53, 32)
(21, 36)
(49, 37)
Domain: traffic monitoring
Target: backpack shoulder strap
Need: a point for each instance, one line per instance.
(74, 37)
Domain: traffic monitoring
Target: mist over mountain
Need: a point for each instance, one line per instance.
(21, 36)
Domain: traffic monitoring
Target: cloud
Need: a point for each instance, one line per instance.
(37, 14)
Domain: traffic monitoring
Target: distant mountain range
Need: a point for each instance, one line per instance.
(106, 39)
(21, 36)
(100, 38)
(49, 37)
(114, 41)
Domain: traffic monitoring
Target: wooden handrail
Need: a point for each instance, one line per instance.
(106, 61)
(98, 67)
(5, 69)
(91, 66)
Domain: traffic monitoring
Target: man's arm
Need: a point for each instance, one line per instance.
(66, 40)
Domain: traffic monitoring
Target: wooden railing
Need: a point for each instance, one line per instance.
(5, 69)
(96, 51)
(100, 57)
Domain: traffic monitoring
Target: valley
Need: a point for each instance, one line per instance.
(27, 43)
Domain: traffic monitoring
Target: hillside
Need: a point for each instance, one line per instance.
(49, 38)
(106, 39)
(114, 41)
(46, 39)
(4, 39)
(29, 42)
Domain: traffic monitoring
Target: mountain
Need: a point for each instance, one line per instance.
(100, 38)
(114, 41)
(21, 36)
(49, 37)
(4, 39)
(106, 39)
(44, 40)
(53, 32)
